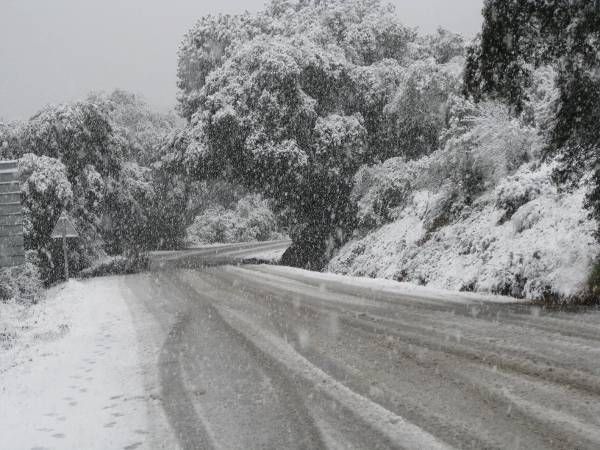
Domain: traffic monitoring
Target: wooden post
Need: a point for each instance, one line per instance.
(65, 253)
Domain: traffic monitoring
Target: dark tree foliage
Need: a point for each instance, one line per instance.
(519, 35)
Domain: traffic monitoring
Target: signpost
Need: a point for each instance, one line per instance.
(64, 229)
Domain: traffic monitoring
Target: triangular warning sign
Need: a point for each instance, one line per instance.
(64, 227)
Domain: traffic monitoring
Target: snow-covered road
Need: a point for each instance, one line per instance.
(270, 357)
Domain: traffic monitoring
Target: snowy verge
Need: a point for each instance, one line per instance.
(71, 377)
(390, 286)
(525, 239)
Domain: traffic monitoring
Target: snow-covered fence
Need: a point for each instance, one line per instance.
(12, 252)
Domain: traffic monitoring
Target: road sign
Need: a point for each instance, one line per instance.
(64, 229)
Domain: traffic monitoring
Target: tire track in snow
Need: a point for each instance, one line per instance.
(394, 428)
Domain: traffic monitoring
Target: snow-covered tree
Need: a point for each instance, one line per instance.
(293, 100)
(131, 118)
(46, 192)
(79, 134)
(519, 36)
(271, 116)
(116, 204)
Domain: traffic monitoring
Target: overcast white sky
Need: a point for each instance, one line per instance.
(54, 51)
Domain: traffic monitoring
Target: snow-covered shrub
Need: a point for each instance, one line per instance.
(117, 265)
(497, 143)
(382, 189)
(440, 208)
(259, 220)
(522, 187)
(250, 220)
(215, 224)
(528, 215)
(21, 284)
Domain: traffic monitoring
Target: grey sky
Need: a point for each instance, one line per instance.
(54, 51)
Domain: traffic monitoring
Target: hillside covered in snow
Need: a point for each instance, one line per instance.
(482, 213)
(544, 249)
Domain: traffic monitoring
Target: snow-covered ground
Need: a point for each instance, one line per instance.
(545, 246)
(382, 285)
(70, 378)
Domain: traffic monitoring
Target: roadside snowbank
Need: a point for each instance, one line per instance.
(524, 239)
(387, 286)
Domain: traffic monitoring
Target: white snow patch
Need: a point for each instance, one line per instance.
(391, 287)
(546, 247)
(72, 379)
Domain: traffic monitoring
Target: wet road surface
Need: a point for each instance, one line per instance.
(258, 356)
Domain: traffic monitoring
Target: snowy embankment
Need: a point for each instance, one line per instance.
(70, 374)
(523, 239)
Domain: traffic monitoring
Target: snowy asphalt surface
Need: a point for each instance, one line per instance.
(260, 356)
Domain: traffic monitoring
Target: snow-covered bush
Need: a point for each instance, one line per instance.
(116, 265)
(21, 284)
(522, 187)
(215, 224)
(250, 220)
(497, 143)
(382, 189)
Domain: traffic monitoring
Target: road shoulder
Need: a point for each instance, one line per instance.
(73, 378)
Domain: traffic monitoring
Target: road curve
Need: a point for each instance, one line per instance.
(259, 356)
